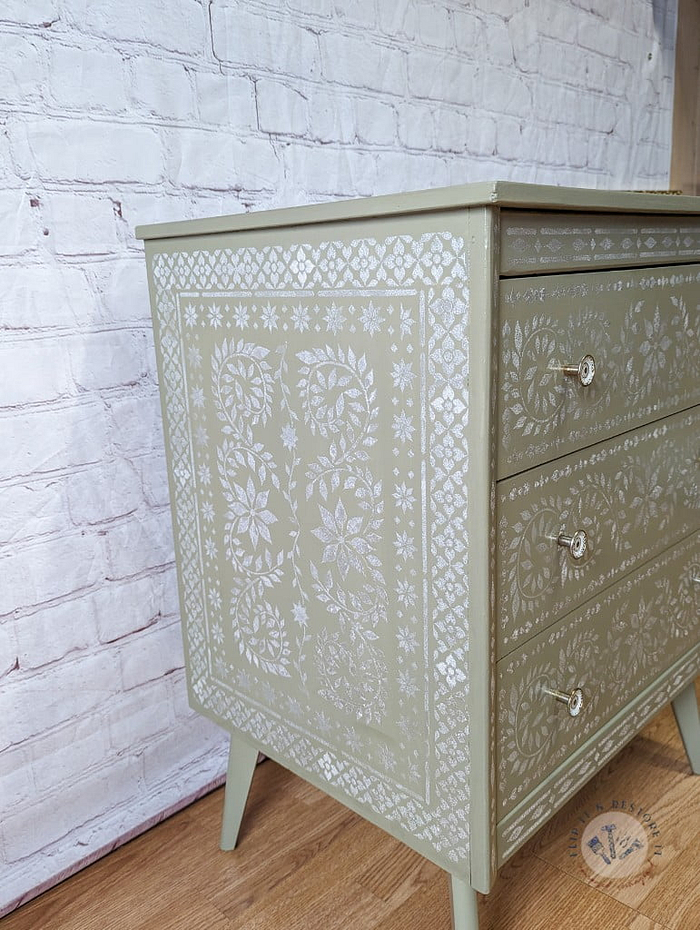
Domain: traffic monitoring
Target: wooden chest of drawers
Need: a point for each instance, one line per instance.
(433, 463)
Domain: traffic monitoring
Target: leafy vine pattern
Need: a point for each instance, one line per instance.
(339, 403)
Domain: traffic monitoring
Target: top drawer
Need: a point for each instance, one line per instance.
(533, 243)
(640, 327)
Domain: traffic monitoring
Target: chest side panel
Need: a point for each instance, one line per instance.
(316, 406)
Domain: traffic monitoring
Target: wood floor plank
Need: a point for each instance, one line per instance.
(305, 862)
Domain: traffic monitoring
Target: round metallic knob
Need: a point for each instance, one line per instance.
(573, 699)
(584, 371)
(576, 544)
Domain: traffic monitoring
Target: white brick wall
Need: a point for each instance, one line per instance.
(112, 116)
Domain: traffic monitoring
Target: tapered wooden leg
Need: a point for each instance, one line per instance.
(685, 707)
(465, 913)
(241, 765)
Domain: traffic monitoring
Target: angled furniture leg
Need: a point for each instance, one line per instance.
(685, 707)
(465, 912)
(241, 765)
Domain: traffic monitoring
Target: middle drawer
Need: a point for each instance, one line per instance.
(640, 328)
(632, 497)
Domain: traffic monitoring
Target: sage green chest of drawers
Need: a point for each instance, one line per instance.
(433, 462)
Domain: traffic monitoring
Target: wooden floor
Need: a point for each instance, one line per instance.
(304, 861)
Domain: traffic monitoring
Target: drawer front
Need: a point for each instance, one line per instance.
(641, 327)
(546, 242)
(633, 496)
(611, 648)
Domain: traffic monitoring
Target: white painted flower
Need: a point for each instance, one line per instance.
(300, 318)
(204, 474)
(288, 436)
(190, 315)
(406, 639)
(215, 600)
(406, 320)
(269, 317)
(342, 543)
(452, 672)
(403, 427)
(215, 316)
(334, 319)
(210, 548)
(403, 375)
(240, 315)
(406, 593)
(207, 511)
(407, 683)
(404, 496)
(300, 614)
(197, 397)
(251, 513)
(195, 356)
(371, 320)
(301, 266)
(404, 545)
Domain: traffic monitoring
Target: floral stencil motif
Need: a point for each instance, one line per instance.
(242, 389)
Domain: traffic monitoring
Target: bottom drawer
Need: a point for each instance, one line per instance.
(611, 648)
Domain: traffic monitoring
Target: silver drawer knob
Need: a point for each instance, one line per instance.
(576, 544)
(584, 371)
(573, 699)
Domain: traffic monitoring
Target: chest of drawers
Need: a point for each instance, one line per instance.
(433, 463)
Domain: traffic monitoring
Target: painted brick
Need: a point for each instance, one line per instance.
(503, 91)
(49, 569)
(153, 655)
(9, 657)
(142, 541)
(30, 829)
(263, 42)
(137, 717)
(81, 224)
(398, 19)
(35, 508)
(434, 25)
(87, 79)
(108, 359)
(33, 370)
(16, 784)
(103, 492)
(320, 8)
(94, 152)
(123, 608)
(42, 296)
(45, 440)
(598, 36)
(339, 171)
(332, 116)
(481, 135)
(226, 101)
(198, 737)
(360, 63)
(506, 50)
(22, 68)
(219, 161)
(450, 130)
(154, 479)
(376, 122)
(438, 77)
(416, 126)
(281, 109)
(136, 424)
(54, 632)
(124, 291)
(359, 13)
(29, 12)
(469, 32)
(65, 754)
(177, 25)
(18, 227)
(163, 88)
